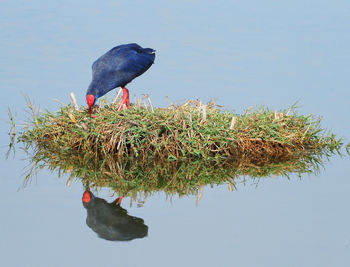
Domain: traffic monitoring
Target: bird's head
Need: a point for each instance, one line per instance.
(90, 99)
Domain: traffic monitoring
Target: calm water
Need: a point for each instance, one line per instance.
(241, 54)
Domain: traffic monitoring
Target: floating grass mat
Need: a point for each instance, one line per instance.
(130, 177)
(191, 130)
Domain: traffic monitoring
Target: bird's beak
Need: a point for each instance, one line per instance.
(90, 99)
(87, 196)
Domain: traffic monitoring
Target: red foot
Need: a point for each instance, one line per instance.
(125, 99)
(119, 200)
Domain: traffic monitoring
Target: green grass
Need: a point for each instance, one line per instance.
(189, 131)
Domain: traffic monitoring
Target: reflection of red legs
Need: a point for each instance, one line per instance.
(125, 99)
(119, 200)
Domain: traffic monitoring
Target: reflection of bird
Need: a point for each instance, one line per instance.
(110, 221)
(117, 68)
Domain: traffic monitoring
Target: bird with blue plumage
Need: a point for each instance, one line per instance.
(116, 68)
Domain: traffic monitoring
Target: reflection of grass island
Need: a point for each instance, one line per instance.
(191, 131)
(130, 176)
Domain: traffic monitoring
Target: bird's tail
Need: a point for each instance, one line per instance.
(149, 50)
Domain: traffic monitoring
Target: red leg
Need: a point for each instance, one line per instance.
(125, 99)
(122, 102)
(128, 102)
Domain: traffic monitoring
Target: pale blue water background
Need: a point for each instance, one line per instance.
(242, 53)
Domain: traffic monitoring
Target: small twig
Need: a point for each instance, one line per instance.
(72, 118)
(13, 122)
(120, 143)
(74, 101)
(32, 109)
(199, 194)
(233, 122)
(116, 98)
(84, 126)
(230, 187)
(278, 115)
(189, 117)
(70, 179)
(204, 109)
(150, 103)
(139, 102)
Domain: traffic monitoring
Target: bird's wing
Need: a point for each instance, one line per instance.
(115, 52)
(121, 65)
(136, 62)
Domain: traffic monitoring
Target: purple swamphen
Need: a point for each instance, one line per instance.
(117, 68)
